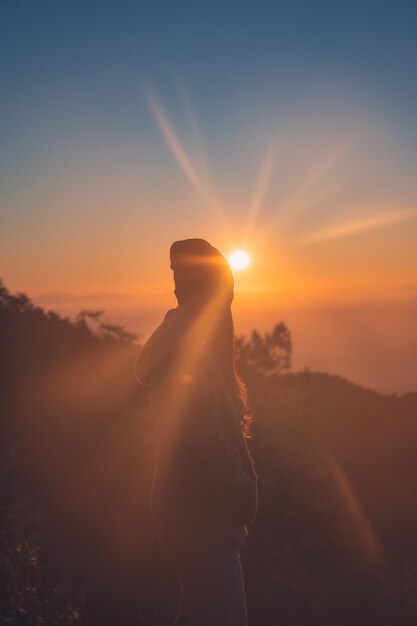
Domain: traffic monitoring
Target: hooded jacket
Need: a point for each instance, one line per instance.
(204, 473)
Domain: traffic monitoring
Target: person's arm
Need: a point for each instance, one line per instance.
(153, 353)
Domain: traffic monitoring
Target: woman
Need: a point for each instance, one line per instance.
(204, 492)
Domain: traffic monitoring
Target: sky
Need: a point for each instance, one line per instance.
(288, 129)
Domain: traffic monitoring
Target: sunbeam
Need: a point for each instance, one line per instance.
(181, 156)
(361, 225)
(190, 358)
(194, 126)
(367, 536)
(308, 193)
(173, 142)
(261, 189)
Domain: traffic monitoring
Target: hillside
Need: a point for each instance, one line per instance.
(334, 541)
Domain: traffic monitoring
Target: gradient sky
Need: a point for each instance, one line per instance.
(286, 128)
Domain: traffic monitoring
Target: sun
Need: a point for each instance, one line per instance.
(239, 260)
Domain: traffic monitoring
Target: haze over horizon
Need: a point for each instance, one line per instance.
(289, 131)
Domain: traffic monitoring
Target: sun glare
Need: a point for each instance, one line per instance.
(239, 260)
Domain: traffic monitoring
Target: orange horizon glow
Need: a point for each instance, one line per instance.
(99, 236)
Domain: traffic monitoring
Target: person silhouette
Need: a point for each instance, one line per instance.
(204, 491)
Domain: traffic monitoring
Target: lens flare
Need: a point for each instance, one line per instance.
(239, 260)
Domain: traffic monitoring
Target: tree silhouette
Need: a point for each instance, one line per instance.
(105, 330)
(267, 354)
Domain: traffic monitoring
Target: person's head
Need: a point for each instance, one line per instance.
(204, 286)
(201, 273)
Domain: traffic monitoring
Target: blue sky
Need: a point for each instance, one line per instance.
(75, 63)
